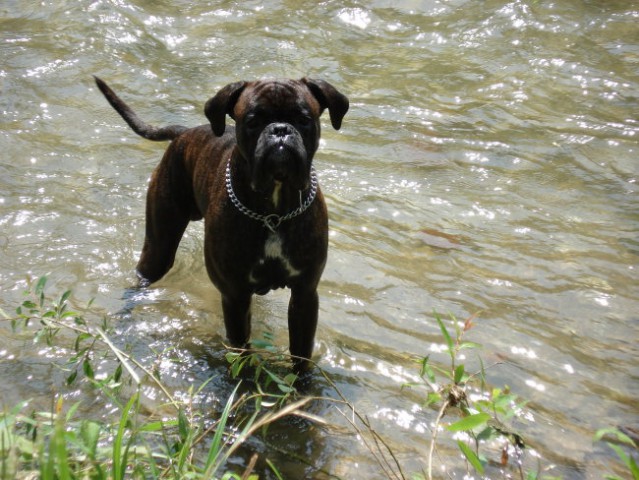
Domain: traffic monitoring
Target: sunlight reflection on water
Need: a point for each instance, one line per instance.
(488, 163)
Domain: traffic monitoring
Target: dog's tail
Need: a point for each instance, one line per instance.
(143, 129)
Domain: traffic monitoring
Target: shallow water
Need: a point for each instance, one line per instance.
(487, 166)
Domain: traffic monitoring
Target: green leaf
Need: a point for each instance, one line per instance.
(183, 424)
(433, 397)
(262, 344)
(29, 304)
(464, 345)
(532, 475)
(285, 388)
(90, 433)
(290, 379)
(71, 378)
(456, 325)
(427, 370)
(472, 458)
(486, 434)
(39, 289)
(157, 426)
(72, 410)
(231, 476)
(79, 339)
(449, 340)
(459, 374)
(236, 366)
(118, 373)
(469, 423)
(65, 296)
(231, 356)
(88, 369)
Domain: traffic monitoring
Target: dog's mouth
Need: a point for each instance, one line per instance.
(280, 161)
(280, 169)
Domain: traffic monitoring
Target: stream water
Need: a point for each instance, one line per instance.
(487, 166)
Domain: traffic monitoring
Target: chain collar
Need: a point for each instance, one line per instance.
(273, 220)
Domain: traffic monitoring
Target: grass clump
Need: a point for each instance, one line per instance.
(57, 444)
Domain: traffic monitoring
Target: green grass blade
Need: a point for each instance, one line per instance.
(627, 460)
(614, 432)
(119, 460)
(59, 445)
(47, 469)
(216, 445)
(633, 468)
(274, 469)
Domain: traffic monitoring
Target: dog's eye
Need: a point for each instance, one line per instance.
(305, 121)
(251, 121)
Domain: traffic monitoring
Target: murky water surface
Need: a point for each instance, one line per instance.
(488, 166)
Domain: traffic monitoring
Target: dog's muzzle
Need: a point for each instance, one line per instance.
(280, 156)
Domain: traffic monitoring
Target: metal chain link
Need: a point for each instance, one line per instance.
(273, 220)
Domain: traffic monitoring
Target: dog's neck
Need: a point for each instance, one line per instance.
(281, 205)
(284, 200)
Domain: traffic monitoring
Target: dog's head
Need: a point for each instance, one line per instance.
(277, 126)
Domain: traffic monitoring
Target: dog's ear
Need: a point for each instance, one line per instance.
(221, 104)
(328, 97)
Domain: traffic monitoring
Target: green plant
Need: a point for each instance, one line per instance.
(192, 444)
(483, 419)
(616, 437)
(263, 359)
(188, 445)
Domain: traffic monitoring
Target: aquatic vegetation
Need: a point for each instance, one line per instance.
(483, 418)
(186, 442)
(60, 444)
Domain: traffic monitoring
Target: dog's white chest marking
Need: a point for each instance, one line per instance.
(276, 193)
(273, 249)
(272, 253)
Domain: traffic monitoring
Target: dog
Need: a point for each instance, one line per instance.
(265, 219)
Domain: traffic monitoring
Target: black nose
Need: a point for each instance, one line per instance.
(280, 130)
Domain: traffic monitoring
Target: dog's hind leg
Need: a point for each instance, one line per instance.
(163, 236)
(168, 212)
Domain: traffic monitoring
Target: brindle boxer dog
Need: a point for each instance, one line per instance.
(265, 220)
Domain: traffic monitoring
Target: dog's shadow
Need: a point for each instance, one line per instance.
(132, 298)
(211, 353)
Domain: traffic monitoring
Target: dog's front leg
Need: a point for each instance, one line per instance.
(237, 318)
(302, 322)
